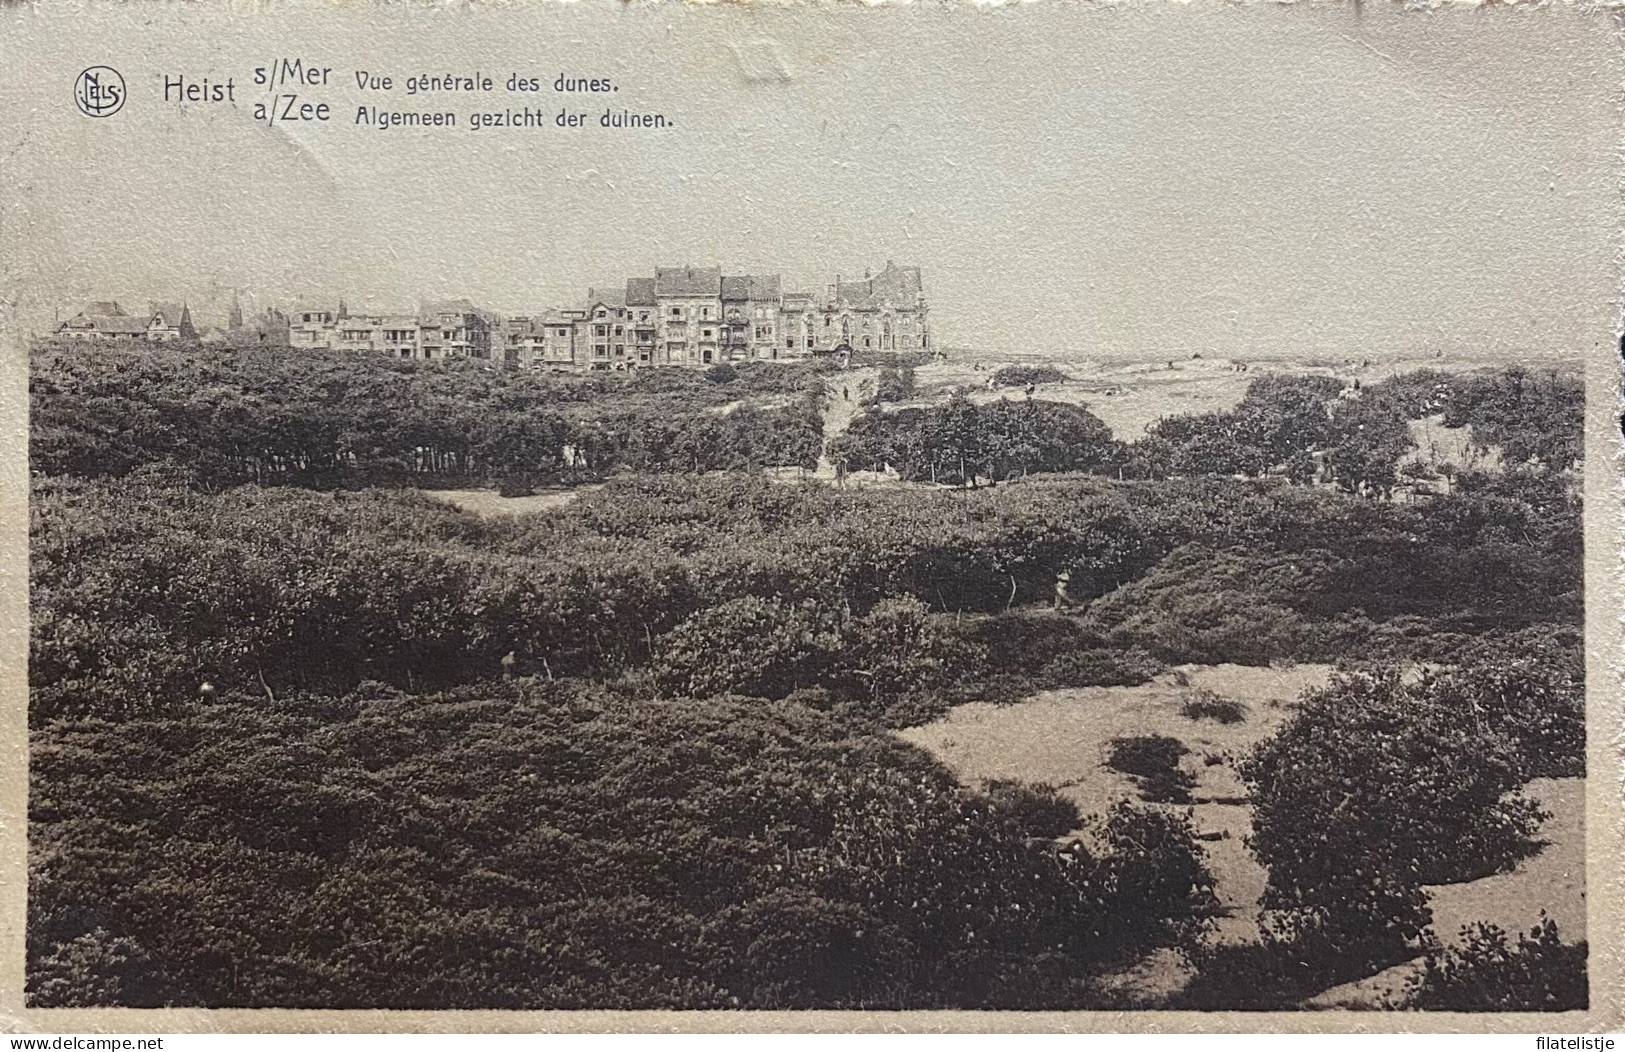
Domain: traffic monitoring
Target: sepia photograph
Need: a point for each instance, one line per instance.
(1052, 508)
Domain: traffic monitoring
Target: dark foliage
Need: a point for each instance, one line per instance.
(1377, 787)
(536, 845)
(1022, 375)
(1153, 760)
(894, 385)
(1487, 974)
(318, 419)
(963, 442)
(1537, 420)
(1206, 705)
(1309, 428)
(631, 753)
(142, 589)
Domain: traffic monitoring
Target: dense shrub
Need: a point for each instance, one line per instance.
(142, 590)
(1100, 667)
(746, 646)
(1308, 428)
(1537, 420)
(1373, 789)
(1038, 810)
(1487, 974)
(536, 845)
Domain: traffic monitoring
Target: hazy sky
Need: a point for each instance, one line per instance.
(1144, 179)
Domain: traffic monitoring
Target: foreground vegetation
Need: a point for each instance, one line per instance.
(311, 743)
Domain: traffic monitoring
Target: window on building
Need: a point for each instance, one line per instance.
(706, 333)
(600, 330)
(600, 313)
(619, 330)
(677, 312)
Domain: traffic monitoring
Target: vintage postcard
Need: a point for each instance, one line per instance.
(605, 516)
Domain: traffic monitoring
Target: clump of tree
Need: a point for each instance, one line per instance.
(1536, 419)
(1022, 375)
(963, 443)
(1281, 423)
(1313, 428)
(894, 384)
(288, 416)
(767, 648)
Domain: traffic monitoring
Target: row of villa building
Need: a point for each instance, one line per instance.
(682, 316)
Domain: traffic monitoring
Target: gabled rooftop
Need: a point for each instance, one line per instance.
(688, 281)
(758, 288)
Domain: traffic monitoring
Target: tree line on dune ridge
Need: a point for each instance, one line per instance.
(635, 752)
(1303, 428)
(223, 417)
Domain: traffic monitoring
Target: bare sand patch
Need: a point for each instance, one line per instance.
(488, 502)
(1062, 737)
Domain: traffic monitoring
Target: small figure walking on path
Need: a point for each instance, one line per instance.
(1063, 597)
(845, 396)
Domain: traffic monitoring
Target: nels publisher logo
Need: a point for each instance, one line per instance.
(99, 91)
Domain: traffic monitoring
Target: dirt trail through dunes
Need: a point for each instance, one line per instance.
(1062, 737)
(858, 384)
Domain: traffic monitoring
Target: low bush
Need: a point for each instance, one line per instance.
(515, 486)
(1488, 974)
(1100, 667)
(1153, 760)
(1037, 809)
(1206, 705)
